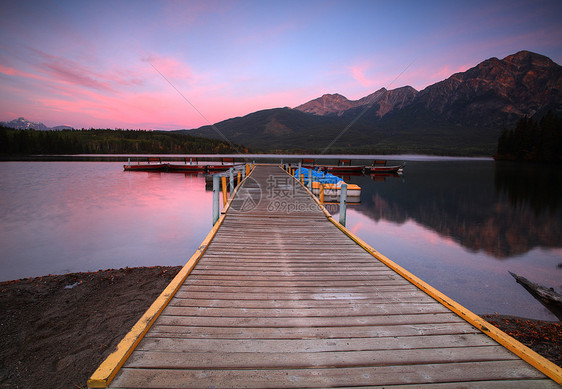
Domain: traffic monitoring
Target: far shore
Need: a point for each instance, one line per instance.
(295, 157)
(57, 329)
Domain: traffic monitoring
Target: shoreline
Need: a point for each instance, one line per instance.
(57, 329)
(180, 157)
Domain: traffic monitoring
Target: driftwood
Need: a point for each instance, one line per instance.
(546, 296)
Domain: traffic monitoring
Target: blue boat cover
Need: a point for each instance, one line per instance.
(322, 177)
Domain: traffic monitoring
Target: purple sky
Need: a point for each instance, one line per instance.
(97, 63)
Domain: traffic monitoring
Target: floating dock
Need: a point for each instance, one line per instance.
(190, 165)
(279, 295)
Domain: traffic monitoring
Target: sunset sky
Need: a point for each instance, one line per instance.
(112, 64)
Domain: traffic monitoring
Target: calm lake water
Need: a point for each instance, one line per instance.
(460, 225)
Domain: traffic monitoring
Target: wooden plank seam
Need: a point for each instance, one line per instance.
(538, 361)
(109, 368)
(105, 373)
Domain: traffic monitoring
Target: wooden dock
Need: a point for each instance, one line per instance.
(281, 296)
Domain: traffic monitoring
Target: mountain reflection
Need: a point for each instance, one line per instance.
(501, 209)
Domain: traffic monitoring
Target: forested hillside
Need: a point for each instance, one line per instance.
(93, 141)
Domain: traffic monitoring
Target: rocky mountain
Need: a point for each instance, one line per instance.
(462, 115)
(338, 105)
(328, 104)
(495, 92)
(23, 124)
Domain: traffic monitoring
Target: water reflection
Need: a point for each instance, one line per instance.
(447, 222)
(475, 280)
(60, 217)
(499, 210)
(538, 187)
(450, 222)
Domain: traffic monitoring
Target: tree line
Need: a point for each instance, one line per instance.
(531, 140)
(107, 141)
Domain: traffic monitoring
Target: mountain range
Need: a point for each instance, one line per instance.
(24, 124)
(461, 115)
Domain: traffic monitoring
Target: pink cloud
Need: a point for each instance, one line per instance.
(57, 70)
(9, 71)
(447, 71)
(357, 72)
(74, 73)
(170, 67)
(386, 74)
(131, 110)
(132, 96)
(65, 70)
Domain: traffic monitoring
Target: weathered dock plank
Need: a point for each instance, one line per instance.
(447, 327)
(283, 298)
(414, 374)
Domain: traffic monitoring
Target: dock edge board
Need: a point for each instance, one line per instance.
(536, 360)
(105, 373)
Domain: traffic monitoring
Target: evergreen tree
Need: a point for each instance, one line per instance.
(106, 141)
(532, 141)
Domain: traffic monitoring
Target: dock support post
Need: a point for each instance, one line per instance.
(343, 199)
(310, 179)
(299, 170)
(215, 199)
(129, 161)
(321, 194)
(231, 178)
(224, 197)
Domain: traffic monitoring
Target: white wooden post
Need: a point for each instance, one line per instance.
(343, 198)
(216, 190)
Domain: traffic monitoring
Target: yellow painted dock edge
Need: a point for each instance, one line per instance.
(539, 362)
(109, 368)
